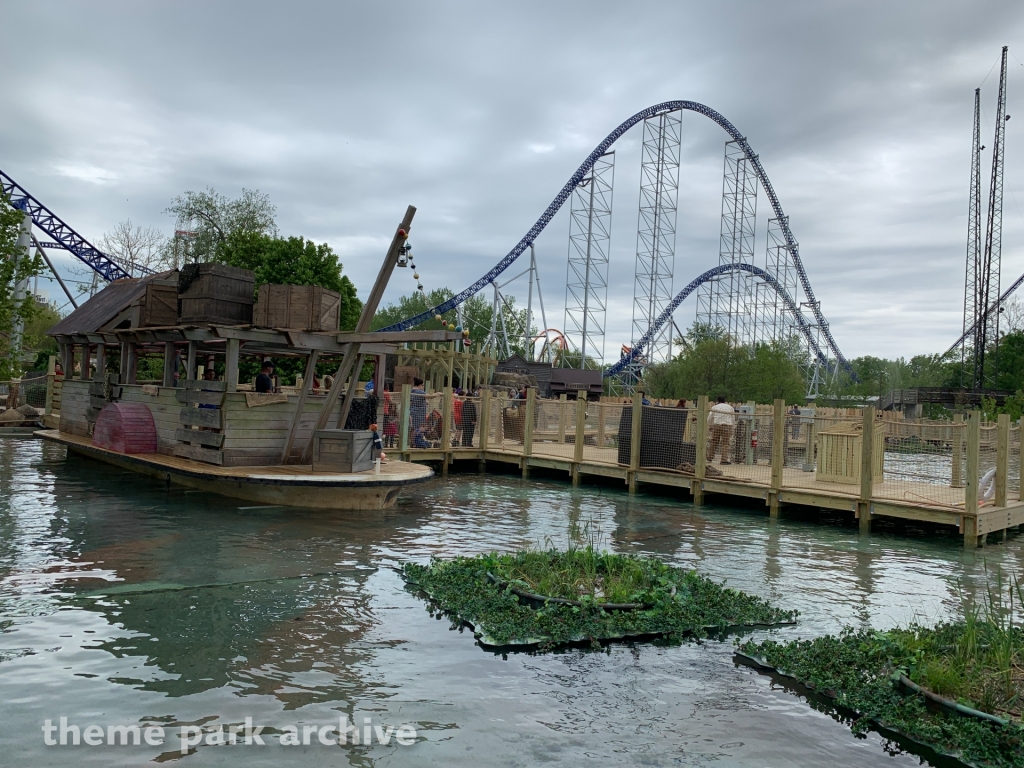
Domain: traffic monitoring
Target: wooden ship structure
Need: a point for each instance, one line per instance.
(303, 446)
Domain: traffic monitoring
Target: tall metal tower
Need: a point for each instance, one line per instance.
(730, 302)
(656, 229)
(773, 322)
(987, 329)
(586, 282)
(973, 293)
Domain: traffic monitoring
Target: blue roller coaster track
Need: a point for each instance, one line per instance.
(564, 194)
(63, 235)
(636, 353)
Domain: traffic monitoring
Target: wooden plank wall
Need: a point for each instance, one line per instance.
(256, 436)
(74, 405)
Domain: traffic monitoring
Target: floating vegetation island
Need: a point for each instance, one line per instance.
(957, 688)
(547, 599)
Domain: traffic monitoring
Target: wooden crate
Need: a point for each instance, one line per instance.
(342, 450)
(159, 307)
(302, 307)
(215, 294)
(839, 454)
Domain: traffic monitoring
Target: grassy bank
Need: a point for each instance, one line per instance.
(551, 598)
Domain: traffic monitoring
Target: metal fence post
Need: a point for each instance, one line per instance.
(700, 436)
(867, 468)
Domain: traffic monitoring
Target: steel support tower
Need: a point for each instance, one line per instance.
(656, 229)
(774, 323)
(586, 282)
(987, 329)
(973, 293)
(730, 302)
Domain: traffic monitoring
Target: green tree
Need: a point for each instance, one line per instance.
(211, 218)
(15, 266)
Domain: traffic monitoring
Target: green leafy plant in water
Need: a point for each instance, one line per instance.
(675, 602)
(977, 661)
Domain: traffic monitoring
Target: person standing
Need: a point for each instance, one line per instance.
(417, 405)
(721, 420)
(794, 422)
(264, 379)
(468, 422)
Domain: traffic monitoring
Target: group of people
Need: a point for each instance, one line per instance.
(426, 428)
(722, 423)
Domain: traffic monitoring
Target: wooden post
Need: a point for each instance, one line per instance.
(133, 364)
(124, 362)
(531, 404)
(778, 455)
(563, 399)
(190, 365)
(83, 366)
(1020, 485)
(866, 468)
(581, 435)
(958, 451)
(100, 373)
(1002, 458)
(700, 435)
(446, 429)
(403, 416)
(231, 368)
(485, 419)
(67, 360)
(970, 525)
(307, 386)
(169, 362)
(599, 439)
(51, 376)
(634, 438)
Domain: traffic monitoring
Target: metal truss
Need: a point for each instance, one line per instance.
(986, 331)
(61, 233)
(730, 303)
(586, 282)
(656, 230)
(973, 294)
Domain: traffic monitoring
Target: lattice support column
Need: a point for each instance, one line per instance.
(729, 304)
(586, 283)
(656, 230)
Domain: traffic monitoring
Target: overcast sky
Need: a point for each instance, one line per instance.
(477, 113)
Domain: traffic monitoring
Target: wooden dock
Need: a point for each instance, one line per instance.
(581, 445)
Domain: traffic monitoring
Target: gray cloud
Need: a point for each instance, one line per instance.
(478, 113)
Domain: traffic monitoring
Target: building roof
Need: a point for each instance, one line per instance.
(106, 306)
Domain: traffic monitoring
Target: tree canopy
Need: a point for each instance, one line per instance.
(15, 266)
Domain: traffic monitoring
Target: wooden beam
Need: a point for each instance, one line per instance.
(307, 387)
(958, 451)
(635, 433)
(778, 454)
(866, 468)
(133, 364)
(531, 404)
(231, 365)
(403, 418)
(485, 419)
(190, 366)
(168, 364)
(396, 337)
(1002, 458)
(971, 486)
(580, 437)
(701, 438)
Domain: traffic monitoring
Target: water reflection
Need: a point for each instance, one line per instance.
(123, 597)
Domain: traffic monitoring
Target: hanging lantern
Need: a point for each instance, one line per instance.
(458, 328)
(438, 318)
(415, 275)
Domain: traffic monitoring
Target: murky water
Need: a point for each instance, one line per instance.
(123, 602)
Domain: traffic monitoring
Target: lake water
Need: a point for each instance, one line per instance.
(124, 602)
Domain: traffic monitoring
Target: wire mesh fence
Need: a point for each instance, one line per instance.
(425, 420)
(554, 428)
(465, 424)
(924, 462)
(601, 433)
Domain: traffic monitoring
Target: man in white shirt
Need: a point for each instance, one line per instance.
(721, 422)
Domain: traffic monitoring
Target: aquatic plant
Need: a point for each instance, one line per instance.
(550, 598)
(957, 687)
